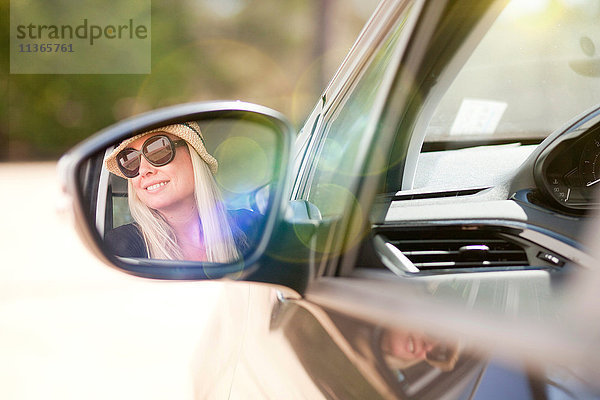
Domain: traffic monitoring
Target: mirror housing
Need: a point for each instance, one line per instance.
(83, 176)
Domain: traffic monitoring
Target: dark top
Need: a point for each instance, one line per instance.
(127, 240)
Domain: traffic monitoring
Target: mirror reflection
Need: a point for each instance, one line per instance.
(366, 360)
(403, 349)
(196, 191)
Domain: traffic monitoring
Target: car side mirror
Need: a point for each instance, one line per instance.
(187, 192)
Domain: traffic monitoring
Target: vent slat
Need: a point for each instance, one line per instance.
(483, 264)
(461, 241)
(443, 252)
(437, 248)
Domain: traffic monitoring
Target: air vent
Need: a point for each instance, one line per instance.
(443, 248)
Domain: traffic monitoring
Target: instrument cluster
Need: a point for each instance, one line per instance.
(568, 170)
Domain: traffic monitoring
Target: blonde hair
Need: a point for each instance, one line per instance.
(158, 235)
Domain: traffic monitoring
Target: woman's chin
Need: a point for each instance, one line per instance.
(169, 205)
(158, 204)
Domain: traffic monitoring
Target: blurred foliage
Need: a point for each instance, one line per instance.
(275, 53)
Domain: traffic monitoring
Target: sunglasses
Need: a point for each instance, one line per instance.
(158, 150)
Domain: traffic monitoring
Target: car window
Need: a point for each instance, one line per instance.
(348, 130)
(120, 208)
(536, 68)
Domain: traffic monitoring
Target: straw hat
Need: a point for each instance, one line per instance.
(188, 131)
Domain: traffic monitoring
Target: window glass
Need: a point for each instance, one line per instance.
(348, 132)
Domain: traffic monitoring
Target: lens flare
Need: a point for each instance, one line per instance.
(243, 165)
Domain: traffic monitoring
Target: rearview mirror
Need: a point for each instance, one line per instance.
(187, 192)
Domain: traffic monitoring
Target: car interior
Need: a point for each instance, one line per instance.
(491, 174)
(492, 180)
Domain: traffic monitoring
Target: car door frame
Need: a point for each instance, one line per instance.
(344, 80)
(354, 67)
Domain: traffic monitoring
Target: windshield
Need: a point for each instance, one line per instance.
(537, 67)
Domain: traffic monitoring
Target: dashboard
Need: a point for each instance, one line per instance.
(560, 175)
(510, 207)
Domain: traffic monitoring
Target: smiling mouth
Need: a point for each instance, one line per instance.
(156, 186)
(411, 344)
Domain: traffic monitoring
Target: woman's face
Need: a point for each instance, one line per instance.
(407, 345)
(169, 187)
